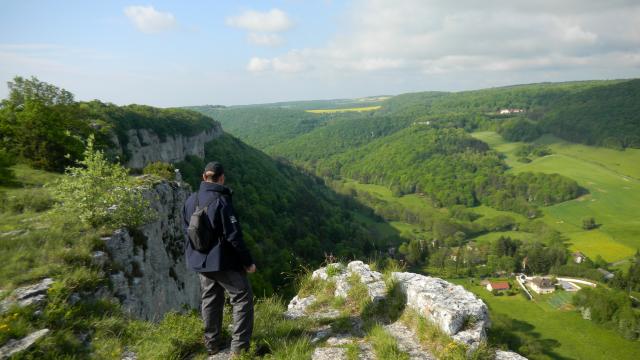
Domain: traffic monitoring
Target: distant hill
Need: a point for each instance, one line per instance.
(604, 115)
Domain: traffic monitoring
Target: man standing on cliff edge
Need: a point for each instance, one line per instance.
(224, 267)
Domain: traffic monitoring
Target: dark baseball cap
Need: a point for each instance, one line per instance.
(214, 167)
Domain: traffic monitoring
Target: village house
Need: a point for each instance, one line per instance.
(542, 285)
(497, 285)
(510, 111)
(579, 257)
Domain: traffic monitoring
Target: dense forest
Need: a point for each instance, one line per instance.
(262, 126)
(605, 116)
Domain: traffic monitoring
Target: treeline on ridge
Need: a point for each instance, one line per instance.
(45, 127)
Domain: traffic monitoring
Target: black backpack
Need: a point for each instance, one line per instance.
(202, 234)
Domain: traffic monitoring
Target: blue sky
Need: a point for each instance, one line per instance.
(173, 53)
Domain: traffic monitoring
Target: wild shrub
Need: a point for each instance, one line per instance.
(161, 169)
(100, 193)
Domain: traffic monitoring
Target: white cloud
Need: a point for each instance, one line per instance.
(422, 38)
(264, 39)
(292, 62)
(262, 28)
(257, 64)
(149, 20)
(274, 20)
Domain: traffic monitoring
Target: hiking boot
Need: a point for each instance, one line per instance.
(215, 348)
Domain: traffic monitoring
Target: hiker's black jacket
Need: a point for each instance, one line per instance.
(229, 251)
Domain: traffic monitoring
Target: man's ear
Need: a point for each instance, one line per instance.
(204, 177)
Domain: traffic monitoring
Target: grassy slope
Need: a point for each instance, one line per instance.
(610, 176)
(413, 202)
(566, 334)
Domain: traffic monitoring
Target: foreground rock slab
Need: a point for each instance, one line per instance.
(15, 346)
(508, 355)
(407, 341)
(458, 312)
(376, 286)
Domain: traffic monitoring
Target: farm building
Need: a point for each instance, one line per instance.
(579, 257)
(542, 285)
(497, 285)
(510, 111)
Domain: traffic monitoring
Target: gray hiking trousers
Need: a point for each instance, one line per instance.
(236, 284)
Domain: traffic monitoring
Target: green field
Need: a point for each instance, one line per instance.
(355, 109)
(564, 334)
(416, 203)
(610, 176)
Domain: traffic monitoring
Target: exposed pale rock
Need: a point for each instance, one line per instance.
(325, 314)
(508, 355)
(144, 146)
(339, 340)
(35, 294)
(342, 285)
(407, 341)
(297, 307)
(372, 279)
(129, 355)
(455, 310)
(154, 278)
(323, 274)
(329, 353)
(366, 351)
(13, 347)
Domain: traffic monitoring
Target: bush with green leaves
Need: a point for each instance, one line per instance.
(161, 169)
(6, 174)
(101, 193)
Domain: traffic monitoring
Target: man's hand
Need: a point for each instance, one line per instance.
(251, 268)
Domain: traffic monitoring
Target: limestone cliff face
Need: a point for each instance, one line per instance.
(144, 146)
(151, 277)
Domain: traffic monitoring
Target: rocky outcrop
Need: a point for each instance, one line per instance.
(35, 294)
(152, 277)
(340, 274)
(13, 347)
(458, 312)
(508, 355)
(144, 146)
(408, 341)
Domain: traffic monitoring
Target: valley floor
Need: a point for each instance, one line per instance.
(612, 179)
(552, 324)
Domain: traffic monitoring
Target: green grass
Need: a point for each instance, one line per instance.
(558, 333)
(560, 300)
(385, 345)
(490, 237)
(415, 203)
(612, 179)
